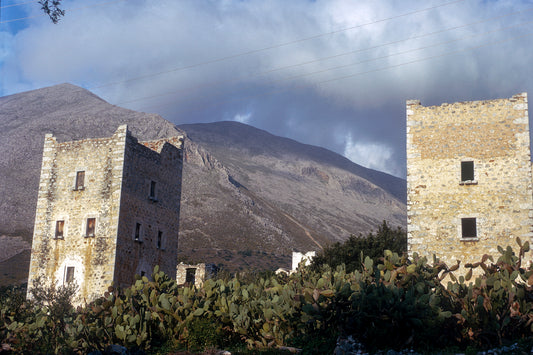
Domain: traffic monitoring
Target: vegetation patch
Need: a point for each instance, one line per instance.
(385, 302)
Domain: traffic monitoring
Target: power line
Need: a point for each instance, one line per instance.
(71, 9)
(407, 51)
(401, 40)
(284, 44)
(426, 58)
(251, 51)
(214, 83)
(316, 60)
(277, 90)
(19, 4)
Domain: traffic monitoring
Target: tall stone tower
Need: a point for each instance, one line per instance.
(107, 209)
(469, 180)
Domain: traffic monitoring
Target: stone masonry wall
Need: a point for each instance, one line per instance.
(93, 257)
(156, 242)
(125, 183)
(494, 135)
(199, 273)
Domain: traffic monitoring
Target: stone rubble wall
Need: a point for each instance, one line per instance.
(494, 134)
(199, 276)
(118, 173)
(159, 214)
(92, 257)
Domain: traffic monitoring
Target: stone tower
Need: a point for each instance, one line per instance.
(107, 209)
(468, 178)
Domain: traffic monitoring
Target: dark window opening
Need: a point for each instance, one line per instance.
(80, 180)
(137, 236)
(60, 227)
(143, 273)
(91, 226)
(190, 275)
(467, 170)
(152, 189)
(159, 240)
(468, 228)
(70, 274)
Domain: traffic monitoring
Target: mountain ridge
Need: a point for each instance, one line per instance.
(392, 183)
(242, 190)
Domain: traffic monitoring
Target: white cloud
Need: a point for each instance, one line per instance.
(195, 61)
(243, 118)
(371, 155)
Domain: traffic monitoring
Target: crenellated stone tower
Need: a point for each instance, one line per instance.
(469, 179)
(107, 209)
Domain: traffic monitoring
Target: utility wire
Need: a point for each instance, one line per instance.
(71, 9)
(214, 83)
(251, 51)
(399, 41)
(284, 44)
(426, 58)
(404, 52)
(19, 4)
(278, 90)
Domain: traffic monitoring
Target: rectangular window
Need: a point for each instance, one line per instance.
(60, 227)
(80, 180)
(91, 227)
(467, 171)
(69, 277)
(468, 228)
(137, 235)
(159, 240)
(152, 190)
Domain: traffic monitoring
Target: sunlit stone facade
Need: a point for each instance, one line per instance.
(469, 180)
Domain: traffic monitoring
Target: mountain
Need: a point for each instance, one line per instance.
(248, 197)
(323, 195)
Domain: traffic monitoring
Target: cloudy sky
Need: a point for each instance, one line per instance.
(332, 73)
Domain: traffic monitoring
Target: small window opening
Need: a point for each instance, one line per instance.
(152, 190)
(137, 236)
(159, 240)
(190, 275)
(70, 274)
(467, 171)
(60, 227)
(468, 228)
(91, 226)
(143, 273)
(80, 180)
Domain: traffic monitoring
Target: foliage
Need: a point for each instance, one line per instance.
(388, 302)
(52, 9)
(41, 325)
(498, 305)
(372, 245)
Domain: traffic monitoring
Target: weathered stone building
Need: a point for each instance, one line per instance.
(108, 208)
(187, 274)
(469, 180)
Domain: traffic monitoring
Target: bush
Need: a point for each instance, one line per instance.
(349, 253)
(387, 302)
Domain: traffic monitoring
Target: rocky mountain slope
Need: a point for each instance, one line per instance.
(243, 189)
(321, 195)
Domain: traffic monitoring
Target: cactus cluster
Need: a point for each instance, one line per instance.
(389, 302)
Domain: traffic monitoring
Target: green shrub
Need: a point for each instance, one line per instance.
(386, 302)
(371, 245)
